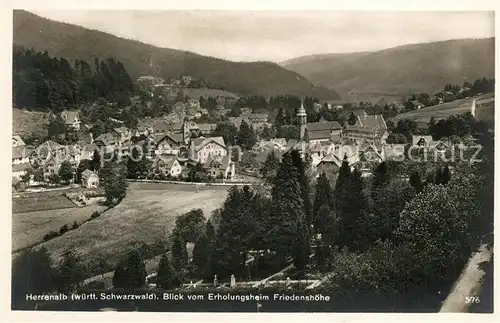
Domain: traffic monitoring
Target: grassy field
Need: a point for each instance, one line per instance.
(146, 214)
(40, 202)
(29, 122)
(29, 228)
(445, 110)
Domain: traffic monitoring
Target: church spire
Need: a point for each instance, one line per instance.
(302, 116)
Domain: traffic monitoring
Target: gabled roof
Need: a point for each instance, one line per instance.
(201, 142)
(18, 140)
(360, 113)
(51, 145)
(168, 160)
(417, 103)
(416, 139)
(122, 130)
(70, 116)
(176, 137)
(71, 150)
(87, 173)
(319, 126)
(106, 138)
(373, 121)
(337, 157)
(18, 152)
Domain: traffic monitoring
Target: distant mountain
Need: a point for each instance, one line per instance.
(75, 42)
(397, 71)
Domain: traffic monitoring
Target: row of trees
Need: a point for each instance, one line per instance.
(44, 83)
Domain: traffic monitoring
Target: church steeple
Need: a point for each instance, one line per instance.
(302, 116)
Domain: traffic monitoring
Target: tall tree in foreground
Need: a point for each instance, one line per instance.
(288, 231)
(203, 252)
(70, 273)
(323, 204)
(167, 275)
(300, 165)
(130, 273)
(113, 177)
(246, 138)
(32, 273)
(270, 166)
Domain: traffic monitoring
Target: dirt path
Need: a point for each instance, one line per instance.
(469, 283)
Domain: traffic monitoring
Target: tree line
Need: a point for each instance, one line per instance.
(45, 83)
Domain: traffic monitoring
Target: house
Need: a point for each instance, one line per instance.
(201, 148)
(397, 106)
(87, 151)
(395, 152)
(168, 144)
(321, 131)
(415, 104)
(73, 156)
(71, 119)
(51, 166)
(220, 166)
(235, 121)
(18, 170)
(19, 152)
(49, 150)
(107, 143)
(318, 150)
(89, 179)
(421, 141)
(370, 155)
(206, 129)
(333, 161)
(360, 113)
(123, 135)
(167, 165)
(369, 128)
(18, 185)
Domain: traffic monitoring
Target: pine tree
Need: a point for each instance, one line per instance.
(96, 161)
(167, 276)
(323, 203)
(246, 137)
(270, 166)
(446, 175)
(130, 273)
(288, 231)
(179, 251)
(341, 183)
(416, 182)
(438, 178)
(202, 252)
(352, 119)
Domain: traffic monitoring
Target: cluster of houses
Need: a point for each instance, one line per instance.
(327, 143)
(173, 149)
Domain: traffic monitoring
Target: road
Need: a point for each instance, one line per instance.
(469, 283)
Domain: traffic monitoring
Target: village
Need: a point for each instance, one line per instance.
(176, 148)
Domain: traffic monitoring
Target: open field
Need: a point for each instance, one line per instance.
(445, 110)
(40, 202)
(29, 122)
(29, 228)
(147, 213)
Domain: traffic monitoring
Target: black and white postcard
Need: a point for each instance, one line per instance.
(252, 161)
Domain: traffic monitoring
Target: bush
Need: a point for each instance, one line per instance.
(63, 229)
(50, 235)
(75, 226)
(95, 215)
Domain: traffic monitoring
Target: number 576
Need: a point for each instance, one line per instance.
(471, 299)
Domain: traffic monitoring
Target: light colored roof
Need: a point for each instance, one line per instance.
(70, 116)
(360, 113)
(18, 152)
(90, 147)
(417, 103)
(224, 161)
(394, 150)
(168, 160)
(121, 130)
(52, 145)
(107, 138)
(18, 140)
(21, 167)
(373, 121)
(87, 173)
(207, 126)
(337, 157)
(201, 142)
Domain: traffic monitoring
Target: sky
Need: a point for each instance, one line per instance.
(279, 35)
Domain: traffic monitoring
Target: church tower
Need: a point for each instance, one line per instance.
(302, 116)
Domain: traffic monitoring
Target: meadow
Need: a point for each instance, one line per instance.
(147, 214)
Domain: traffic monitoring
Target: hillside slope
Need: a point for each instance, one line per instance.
(410, 68)
(74, 42)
